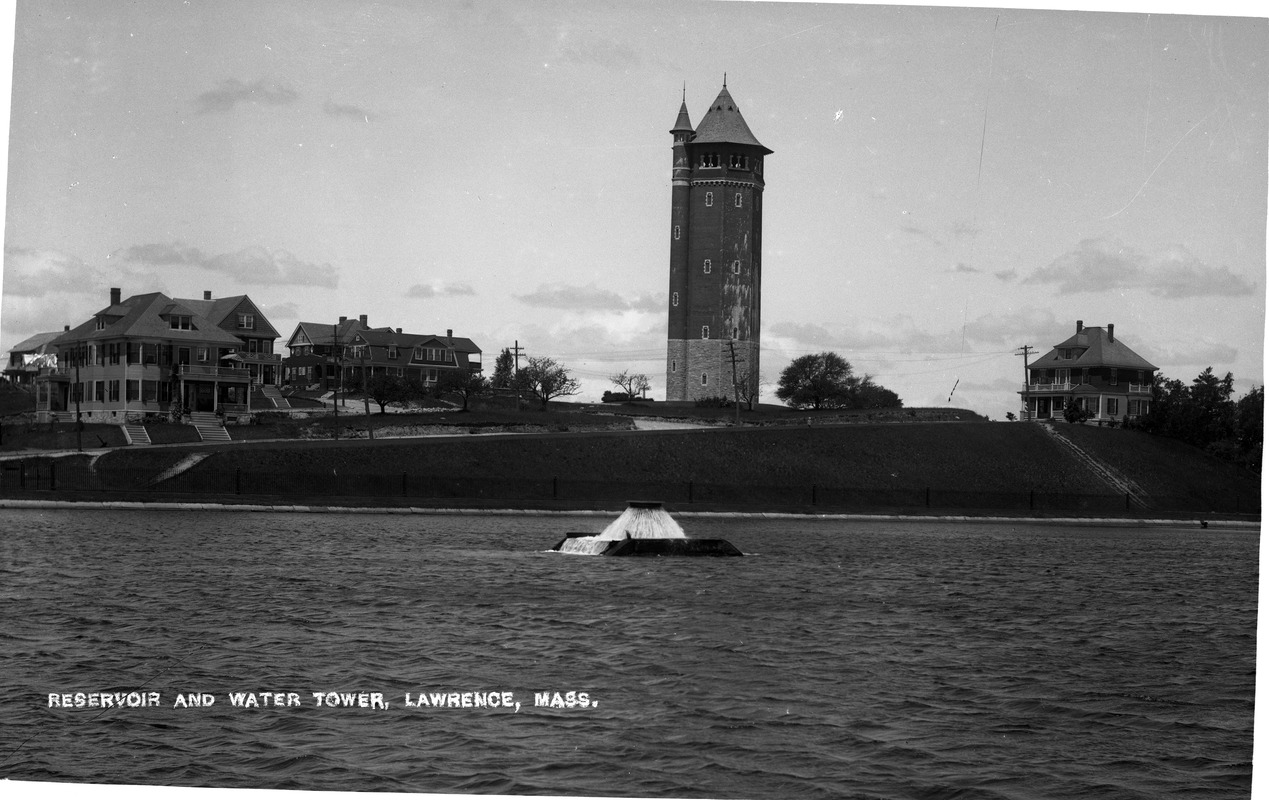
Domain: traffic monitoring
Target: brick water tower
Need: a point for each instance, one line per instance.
(715, 298)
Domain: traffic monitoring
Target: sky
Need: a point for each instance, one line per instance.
(947, 185)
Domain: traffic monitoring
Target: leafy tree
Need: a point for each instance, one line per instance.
(634, 385)
(464, 383)
(826, 380)
(384, 389)
(1205, 415)
(504, 370)
(816, 381)
(546, 379)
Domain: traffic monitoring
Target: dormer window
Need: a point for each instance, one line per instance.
(178, 322)
(392, 351)
(101, 323)
(247, 321)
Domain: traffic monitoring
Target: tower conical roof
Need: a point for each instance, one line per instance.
(684, 122)
(724, 124)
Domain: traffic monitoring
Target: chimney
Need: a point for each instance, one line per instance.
(398, 330)
(114, 297)
(342, 320)
(449, 333)
(363, 321)
(207, 294)
(1079, 325)
(1110, 331)
(65, 328)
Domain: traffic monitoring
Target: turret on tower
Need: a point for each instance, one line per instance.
(715, 254)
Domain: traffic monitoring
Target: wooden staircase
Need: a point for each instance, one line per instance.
(1108, 474)
(274, 396)
(136, 433)
(209, 427)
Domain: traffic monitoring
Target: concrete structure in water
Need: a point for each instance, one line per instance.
(715, 255)
(644, 529)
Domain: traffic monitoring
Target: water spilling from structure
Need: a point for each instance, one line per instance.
(644, 528)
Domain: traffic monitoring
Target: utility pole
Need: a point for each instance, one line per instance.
(365, 393)
(79, 419)
(1025, 351)
(334, 343)
(515, 377)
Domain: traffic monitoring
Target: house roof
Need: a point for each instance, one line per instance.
(141, 316)
(1099, 350)
(36, 343)
(321, 332)
(723, 123)
(382, 337)
(222, 308)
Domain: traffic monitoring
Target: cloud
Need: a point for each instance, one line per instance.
(608, 53)
(588, 298)
(439, 289)
(1099, 265)
(1006, 275)
(282, 311)
(38, 273)
(352, 112)
(1193, 354)
(251, 265)
(961, 266)
(232, 91)
(921, 233)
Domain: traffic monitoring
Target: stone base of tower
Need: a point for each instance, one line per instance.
(696, 369)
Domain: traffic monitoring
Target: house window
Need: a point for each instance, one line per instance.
(709, 199)
(708, 266)
(179, 323)
(134, 352)
(247, 321)
(1084, 375)
(392, 351)
(739, 202)
(101, 323)
(1112, 406)
(676, 232)
(149, 354)
(202, 354)
(114, 354)
(114, 391)
(149, 391)
(100, 391)
(674, 299)
(1141, 376)
(1114, 376)
(735, 267)
(704, 331)
(133, 389)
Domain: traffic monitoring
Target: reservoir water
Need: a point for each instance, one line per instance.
(876, 659)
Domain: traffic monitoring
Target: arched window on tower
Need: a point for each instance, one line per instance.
(709, 199)
(674, 299)
(676, 231)
(704, 331)
(708, 266)
(738, 199)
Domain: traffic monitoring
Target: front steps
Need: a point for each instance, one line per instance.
(209, 427)
(136, 433)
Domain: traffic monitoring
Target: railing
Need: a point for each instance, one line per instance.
(21, 478)
(199, 371)
(1050, 387)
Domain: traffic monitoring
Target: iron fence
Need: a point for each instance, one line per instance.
(46, 478)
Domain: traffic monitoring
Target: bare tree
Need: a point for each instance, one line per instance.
(634, 385)
(546, 379)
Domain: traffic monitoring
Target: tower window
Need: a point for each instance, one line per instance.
(676, 231)
(674, 366)
(709, 159)
(704, 379)
(738, 201)
(709, 199)
(735, 267)
(735, 333)
(674, 299)
(739, 162)
(708, 266)
(704, 331)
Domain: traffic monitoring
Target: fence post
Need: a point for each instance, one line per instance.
(813, 494)
(52, 476)
(238, 480)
